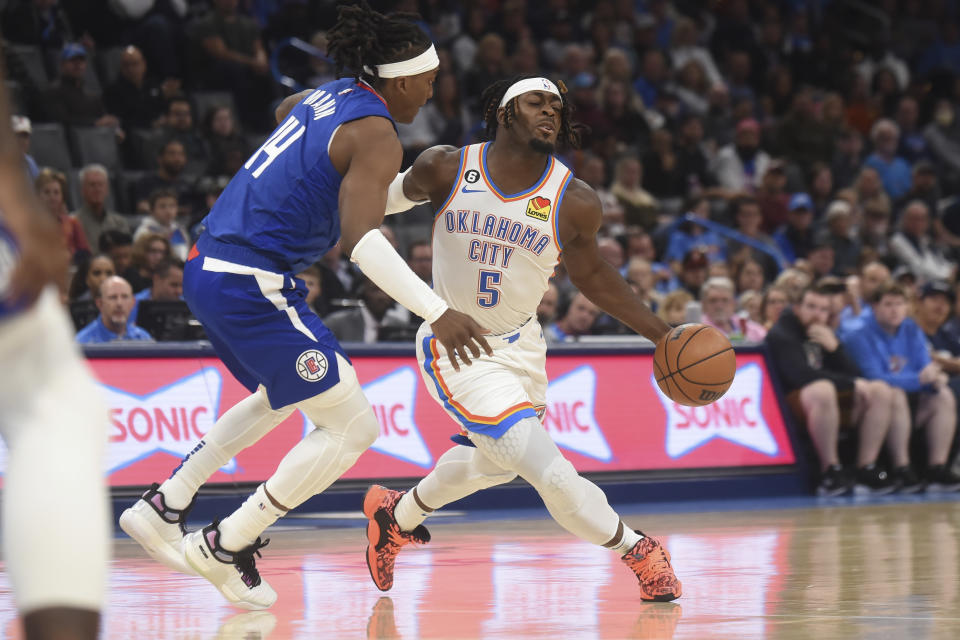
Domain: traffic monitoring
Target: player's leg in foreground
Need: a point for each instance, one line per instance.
(223, 552)
(55, 522)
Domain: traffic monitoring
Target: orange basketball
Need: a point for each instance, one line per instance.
(694, 364)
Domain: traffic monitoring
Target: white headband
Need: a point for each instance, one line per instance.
(530, 84)
(426, 61)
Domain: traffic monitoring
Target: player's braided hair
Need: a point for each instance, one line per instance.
(363, 37)
(569, 134)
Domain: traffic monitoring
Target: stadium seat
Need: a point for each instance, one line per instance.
(96, 144)
(48, 146)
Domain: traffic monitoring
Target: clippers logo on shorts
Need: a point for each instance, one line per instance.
(312, 365)
(570, 418)
(170, 420)
(393, 399)
(735, 417)
(539, 208)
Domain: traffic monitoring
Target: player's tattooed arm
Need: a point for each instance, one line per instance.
(432, 175)
(580, 218)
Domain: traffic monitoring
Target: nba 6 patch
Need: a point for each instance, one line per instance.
(312, 365)
(539, 208)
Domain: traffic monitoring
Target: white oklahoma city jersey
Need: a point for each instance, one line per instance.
(493, 253)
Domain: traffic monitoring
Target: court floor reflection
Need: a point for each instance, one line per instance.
(873, 571)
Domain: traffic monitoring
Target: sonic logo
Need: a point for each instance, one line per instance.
(539, 208)
(736, 417)
(569, 417)
(170, 420)
(393, 398)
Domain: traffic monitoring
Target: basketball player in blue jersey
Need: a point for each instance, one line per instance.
(53, 422)
(321, 177)
(505, 211)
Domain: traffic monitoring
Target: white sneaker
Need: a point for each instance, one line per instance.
(233, 573)
(158, 529)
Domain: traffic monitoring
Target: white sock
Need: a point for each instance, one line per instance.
(243, 526)
(180, 488)
(408, 513)
(627, 542)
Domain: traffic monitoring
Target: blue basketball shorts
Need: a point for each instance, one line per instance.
(261, 328)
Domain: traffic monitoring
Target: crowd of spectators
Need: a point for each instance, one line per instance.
(748, 154)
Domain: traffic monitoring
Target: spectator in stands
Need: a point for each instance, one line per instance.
(233, 59)
(227, 146)
(170, 174)
(820, 259)
(936, 300)
(68, 102)
(802, 135)
(746, 216)
(179, 125)
(119, 246)
(639, 206)
(642, 280)
(51, 186)
(663, 176)
(795, 238)
(547, 309)
(913, 145)
(489, 65)
(890, 346)
(163, 221)
(673, 307)
(772, 196)
(741, 165)
(943, 136)
(364, 323)
(166, 286)
(136, 98)
(775, 299)
(148, 250)
(93, 213)
(914, 248)
(311, 280)
(420, 259)
(873, 275)
(41, 23)
(874, 231)
(115, 302)
(592, 170)
(693, 271)
(848, 157)
(748, 275)
(690, 235)
(893, 170)
(89, 276)
(838, 222)
(869, 188)
(825, 389)
(821, 188)
(692, 158)
(22, 128)
(719, 305)
(622, 126)
(577, 321)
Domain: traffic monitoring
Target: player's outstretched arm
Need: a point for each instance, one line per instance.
(580, 219)
(368, 154)
(432, 173)
(42, 259)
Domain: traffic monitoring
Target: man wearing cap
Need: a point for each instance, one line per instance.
(795, 238)
(740, 166)
(889, 346)
(69, 102)
(22, 129)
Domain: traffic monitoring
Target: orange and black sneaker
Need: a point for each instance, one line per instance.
(384, 535)
(651, 562)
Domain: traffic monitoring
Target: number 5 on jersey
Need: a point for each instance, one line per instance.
(487, 293)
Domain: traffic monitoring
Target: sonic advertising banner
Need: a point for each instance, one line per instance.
(604, 411)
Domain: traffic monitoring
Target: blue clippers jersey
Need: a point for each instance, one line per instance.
(281, 206)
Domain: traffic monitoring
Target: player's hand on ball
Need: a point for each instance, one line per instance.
(458, 333)
(694, 364)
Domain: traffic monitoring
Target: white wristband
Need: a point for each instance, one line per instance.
(379, 261)
(397, 200)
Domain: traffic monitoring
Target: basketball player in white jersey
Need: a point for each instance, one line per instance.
(505, 213)
(53, 422)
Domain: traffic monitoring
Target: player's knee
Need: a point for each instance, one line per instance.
(363, 431)
(561, 486)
